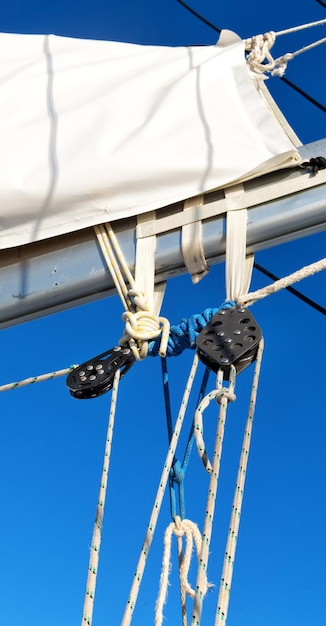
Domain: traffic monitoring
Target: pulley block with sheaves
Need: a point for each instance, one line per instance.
(95, 377)
(231, 337)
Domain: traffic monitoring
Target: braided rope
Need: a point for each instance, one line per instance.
(126, 620)
(37, 379)
(218, 394)
(97, 531)
(229, 557)
(259, 48)
(296, 29)
(180, 528)
(304, 272)
(141, 324)
(223, 400)
(102, 233)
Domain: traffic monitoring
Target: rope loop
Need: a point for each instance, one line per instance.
(260, 59)
(225, 392)
(180, 528)
(177, 473)
(222, 395)
(142, 326)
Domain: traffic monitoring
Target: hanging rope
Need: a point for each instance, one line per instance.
(158, 500)
(142, 324)
(97, 532)
(229, 557)
(222, 395)
(178, 469)
(259, 48)
(180, 528)
(304, 272)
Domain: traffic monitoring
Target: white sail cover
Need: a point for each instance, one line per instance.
(94, 131)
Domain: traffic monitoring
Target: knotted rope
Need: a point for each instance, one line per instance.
(222, 395)
(219, 393)
(142, 325)
(259, 48)
(126, 620)
(180, 528)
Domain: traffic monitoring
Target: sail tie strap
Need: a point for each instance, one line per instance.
(192, 244)
(180, 528)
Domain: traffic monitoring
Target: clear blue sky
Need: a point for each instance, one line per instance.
(52, 445)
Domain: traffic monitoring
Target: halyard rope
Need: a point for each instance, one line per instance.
(127, 617)
(222, 395)
(97, 531)
(229, 556)
(304, 272)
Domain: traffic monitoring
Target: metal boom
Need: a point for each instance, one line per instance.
(59, 273)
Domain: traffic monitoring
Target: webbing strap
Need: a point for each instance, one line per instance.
(192, 244)
(145, 267)
(238, 268)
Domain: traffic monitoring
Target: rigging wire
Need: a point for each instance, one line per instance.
(295, 292)
(306, 95)
(321, 3)
(300, 91)
(200, 17)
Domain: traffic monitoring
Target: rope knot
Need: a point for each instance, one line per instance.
(180, 528)
(260, 58)
(219, 393)
(224, 393)
(177, 473)
(142, 326)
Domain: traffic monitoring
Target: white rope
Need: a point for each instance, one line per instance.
(259, 48)
(222, 396)
(37, 379)
(127, 617)
(304, 272)
(229, 555)
(142, 325)
(217, 394)
(180, 528)
(97, 532)
(296, 29)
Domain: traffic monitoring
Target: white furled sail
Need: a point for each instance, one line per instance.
(93, 131)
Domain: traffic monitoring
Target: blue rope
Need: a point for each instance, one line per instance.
(184, 334)
(181, 337)
(178, 469)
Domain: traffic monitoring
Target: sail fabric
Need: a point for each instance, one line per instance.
(95, 131)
